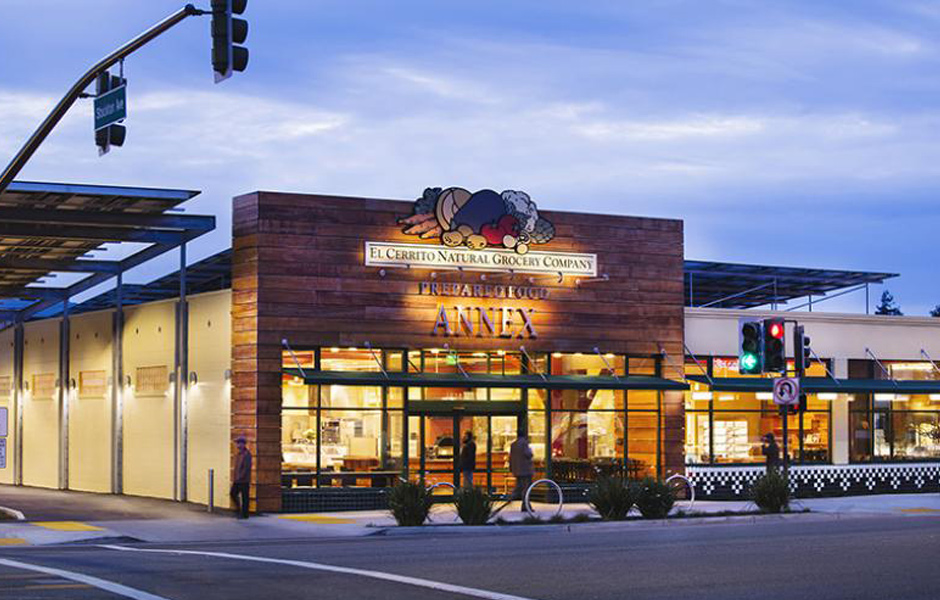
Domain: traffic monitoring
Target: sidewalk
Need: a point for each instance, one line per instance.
(146, 520)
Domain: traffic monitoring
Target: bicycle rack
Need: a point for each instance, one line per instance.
(561, 498)
(688, 485)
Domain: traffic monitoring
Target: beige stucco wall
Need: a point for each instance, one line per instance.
(90, 415)
(713, 332)
(6, 401)
(210, 343)
(40, 414)
(148, 419)
(148, 460)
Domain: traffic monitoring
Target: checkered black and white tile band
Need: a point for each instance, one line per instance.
(733, 482)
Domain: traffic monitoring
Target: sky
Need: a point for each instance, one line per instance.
(785, 133)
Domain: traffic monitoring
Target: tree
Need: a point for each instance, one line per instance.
(936, 311)
(888, 306)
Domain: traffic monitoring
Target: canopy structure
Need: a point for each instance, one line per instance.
(474, 380)
(47, 231)
(815, 385)
(732, 285)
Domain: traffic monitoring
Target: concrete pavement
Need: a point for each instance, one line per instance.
(805, 556)
(56, 517)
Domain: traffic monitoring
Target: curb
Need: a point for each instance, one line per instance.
(14, 514)
(604, 525)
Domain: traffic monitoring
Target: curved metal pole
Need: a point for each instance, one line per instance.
(45, 128)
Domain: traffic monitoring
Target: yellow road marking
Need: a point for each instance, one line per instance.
(319, 519)
(920, 510)
(66, 525)
(12, 541)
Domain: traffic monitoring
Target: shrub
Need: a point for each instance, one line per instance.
(474, 506)
(654, 499)
(771, 492)
(612, 498)
(409, 503)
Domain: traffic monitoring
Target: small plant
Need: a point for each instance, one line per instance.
(474, 506)
(530, 520)
(581, 518)
(409, 503)
(654, 499)
(611, 498)
(771, 492)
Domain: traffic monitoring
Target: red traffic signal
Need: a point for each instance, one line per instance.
(775, 357)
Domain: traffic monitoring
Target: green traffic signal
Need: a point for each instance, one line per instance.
(748, 362)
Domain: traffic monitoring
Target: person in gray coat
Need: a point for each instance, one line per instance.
(521, 467)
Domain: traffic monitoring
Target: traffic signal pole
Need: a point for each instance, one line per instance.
(46, 127)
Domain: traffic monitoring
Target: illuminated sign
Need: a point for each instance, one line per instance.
(478, 220)
(393, 254)
(505, 321)
(480, 290)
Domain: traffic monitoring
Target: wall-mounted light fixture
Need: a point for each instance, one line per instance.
(72, 384)
(193, 378)
(228, 375)
(127, 381)
(173, 377)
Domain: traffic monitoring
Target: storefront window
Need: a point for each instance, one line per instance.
(728, 427)
(360, 435)
(348, 396)
(915, 435)
(350, 359)
(696, 437)
(642, 444)
(738, 436)
(586, 364)
(585, 443)
(892, 426)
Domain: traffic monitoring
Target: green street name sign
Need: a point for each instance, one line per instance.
(110, 108)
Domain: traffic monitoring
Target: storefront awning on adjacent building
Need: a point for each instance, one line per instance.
(815, 385)
(474, 380)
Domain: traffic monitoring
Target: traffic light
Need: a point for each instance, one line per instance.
(775, 356)
(111, 135)
(801, 350)
(750, 347)
(227, 33)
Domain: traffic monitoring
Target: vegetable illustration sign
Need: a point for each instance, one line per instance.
(478, 220)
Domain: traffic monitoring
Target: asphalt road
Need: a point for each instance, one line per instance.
(808, 557)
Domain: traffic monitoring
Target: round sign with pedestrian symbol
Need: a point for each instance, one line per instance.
(787, 390)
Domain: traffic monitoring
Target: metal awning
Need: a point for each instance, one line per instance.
(474, 380)
(47, 229)
(815, 385)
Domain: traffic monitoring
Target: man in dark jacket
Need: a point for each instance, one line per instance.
(521, 467)
(771, 451)
(467, 460)
(241, 478)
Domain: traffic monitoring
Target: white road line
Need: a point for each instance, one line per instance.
(108, 586)
(425, 583)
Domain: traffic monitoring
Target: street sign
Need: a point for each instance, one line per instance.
(3, 422)
(110, 107)
(787, 390)
(3, 453)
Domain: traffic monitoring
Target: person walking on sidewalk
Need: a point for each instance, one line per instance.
(468, 460)
(521, 467)
(241, 478)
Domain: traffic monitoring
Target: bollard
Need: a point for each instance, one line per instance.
(211, 497)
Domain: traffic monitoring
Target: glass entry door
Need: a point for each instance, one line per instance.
(440, 440)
